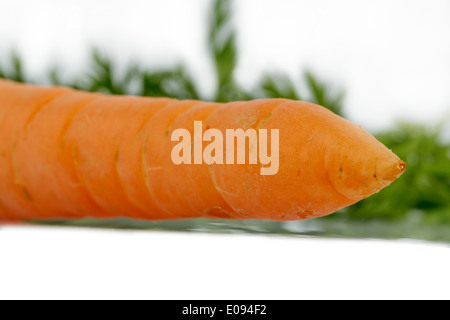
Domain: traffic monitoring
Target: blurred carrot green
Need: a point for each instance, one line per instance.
(415, 206)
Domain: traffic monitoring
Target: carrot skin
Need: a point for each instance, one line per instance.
(155, 137)
(97, 159)
(243, 115)
(52, 162)
(129, 154)
(20, 105)
(309, 181)
(195, 195)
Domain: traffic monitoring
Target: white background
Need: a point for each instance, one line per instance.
(392, 57)
(63, 263)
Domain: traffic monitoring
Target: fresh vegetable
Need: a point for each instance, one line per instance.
(70, 154)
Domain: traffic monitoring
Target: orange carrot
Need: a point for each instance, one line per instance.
(71, 154)
(19, 107)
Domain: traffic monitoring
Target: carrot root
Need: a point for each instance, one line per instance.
(71, 154)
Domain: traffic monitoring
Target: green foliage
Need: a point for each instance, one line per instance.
(278, 85)
(16, 68)
(16, 62)
(176, 83)
(55, 77)
(104, 78)
(222, 46)
(322, 94)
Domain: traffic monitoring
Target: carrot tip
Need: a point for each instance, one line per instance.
(402, 166)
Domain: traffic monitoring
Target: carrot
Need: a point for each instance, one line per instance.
(20, 105)
(102, 163)
(71, 154)
(326, 163)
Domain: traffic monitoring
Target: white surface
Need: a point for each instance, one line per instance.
(390, 56)
(65, 263)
